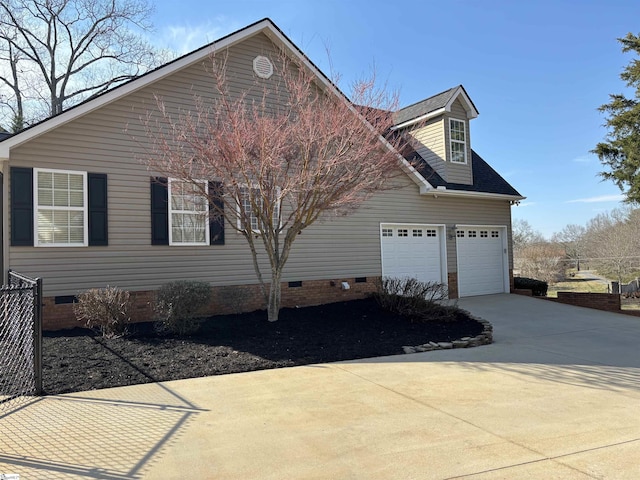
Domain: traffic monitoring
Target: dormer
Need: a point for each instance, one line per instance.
(439, 126)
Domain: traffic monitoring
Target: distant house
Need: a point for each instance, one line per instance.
(80, 211)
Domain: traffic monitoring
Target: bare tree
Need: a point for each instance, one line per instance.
(573, 239)
(55, 53)
(533, 255)
(286, 152)
(523, 234)
(542, 261)
(612, 242)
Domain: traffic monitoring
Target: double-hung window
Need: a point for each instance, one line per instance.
(250, 198)
(188, 213)
(60, 208)
(458, 140)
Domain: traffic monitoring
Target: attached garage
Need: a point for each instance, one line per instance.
(413, 250)
(482, 260)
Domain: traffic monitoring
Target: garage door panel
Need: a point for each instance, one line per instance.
(412, 251)
(480, 261)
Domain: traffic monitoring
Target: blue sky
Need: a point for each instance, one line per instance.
(536, 70)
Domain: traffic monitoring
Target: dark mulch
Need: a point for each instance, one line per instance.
(77, 360)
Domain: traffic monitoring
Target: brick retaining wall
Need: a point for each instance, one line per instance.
(609, 302)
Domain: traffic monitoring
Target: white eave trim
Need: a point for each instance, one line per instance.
(265, 26)
(460, 92)
(442, 191)
(426, 116)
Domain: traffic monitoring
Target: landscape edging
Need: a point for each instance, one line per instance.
(484, 338)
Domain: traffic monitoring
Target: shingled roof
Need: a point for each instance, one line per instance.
(423, 107)
(485, 178)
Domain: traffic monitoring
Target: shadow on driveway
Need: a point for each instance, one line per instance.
(111, 436)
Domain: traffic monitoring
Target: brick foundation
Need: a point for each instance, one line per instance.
(227, 299)
(452, 285)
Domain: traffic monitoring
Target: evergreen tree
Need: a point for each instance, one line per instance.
(620, 152)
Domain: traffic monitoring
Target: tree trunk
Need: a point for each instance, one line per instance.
(273, 306)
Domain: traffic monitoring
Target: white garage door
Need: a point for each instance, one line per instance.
(481, 260)
(412, 251)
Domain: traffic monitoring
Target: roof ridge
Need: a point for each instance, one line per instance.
(429, 98)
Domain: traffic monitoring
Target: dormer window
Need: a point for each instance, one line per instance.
(458, 141)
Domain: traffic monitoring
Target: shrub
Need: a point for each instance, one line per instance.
(414, 299)
(105, 309)
(537, 287)
(179, 306)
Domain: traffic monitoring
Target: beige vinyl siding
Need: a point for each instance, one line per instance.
(457, 172)
(108, 141)
(431, 145)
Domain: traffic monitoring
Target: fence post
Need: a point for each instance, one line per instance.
(37, 335)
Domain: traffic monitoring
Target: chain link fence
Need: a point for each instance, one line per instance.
(20, 340)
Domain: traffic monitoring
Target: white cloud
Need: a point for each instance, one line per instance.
(583, 159)
(183, 39)
(600, 198)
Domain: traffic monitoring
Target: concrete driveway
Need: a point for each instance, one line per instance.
(557, 396)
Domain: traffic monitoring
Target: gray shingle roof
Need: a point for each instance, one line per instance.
(485, 178)
(423, 107)
(4, 135)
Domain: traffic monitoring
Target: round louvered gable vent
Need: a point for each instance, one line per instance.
(262, 66)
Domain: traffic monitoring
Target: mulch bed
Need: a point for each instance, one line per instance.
(77, 360)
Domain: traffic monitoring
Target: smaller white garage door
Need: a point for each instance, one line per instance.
(412, 251)
(481, 260)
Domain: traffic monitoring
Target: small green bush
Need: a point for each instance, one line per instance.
(179, 305)
(537, 287)
(413, 299)
(105, 309)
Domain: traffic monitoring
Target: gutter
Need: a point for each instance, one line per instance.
(436, 192)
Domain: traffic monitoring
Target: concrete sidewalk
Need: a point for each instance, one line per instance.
(556, 396)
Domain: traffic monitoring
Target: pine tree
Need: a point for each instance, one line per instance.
(620, 152)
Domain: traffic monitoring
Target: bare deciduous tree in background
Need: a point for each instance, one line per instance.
(534, 256)
(542, 261)
(523, 234)
(612, 242)
(55, 53)
(287, 153)
(573, 239)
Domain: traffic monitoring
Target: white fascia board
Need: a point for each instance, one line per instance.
(421, 118)
(463, 193)
(471, 110)
(132, 86)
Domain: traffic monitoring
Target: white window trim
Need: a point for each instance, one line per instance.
(85, 208)
(239, 213)
(171, 211)
(452, 141)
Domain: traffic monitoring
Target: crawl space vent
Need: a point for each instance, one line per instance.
(262, 66)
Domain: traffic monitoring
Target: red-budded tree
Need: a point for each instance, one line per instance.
(283, 154)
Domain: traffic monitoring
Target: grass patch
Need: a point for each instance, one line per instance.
(577, 285)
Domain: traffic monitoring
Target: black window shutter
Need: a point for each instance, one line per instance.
(159, 211)
(216, 223)
(21, 206)
(97, 194)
